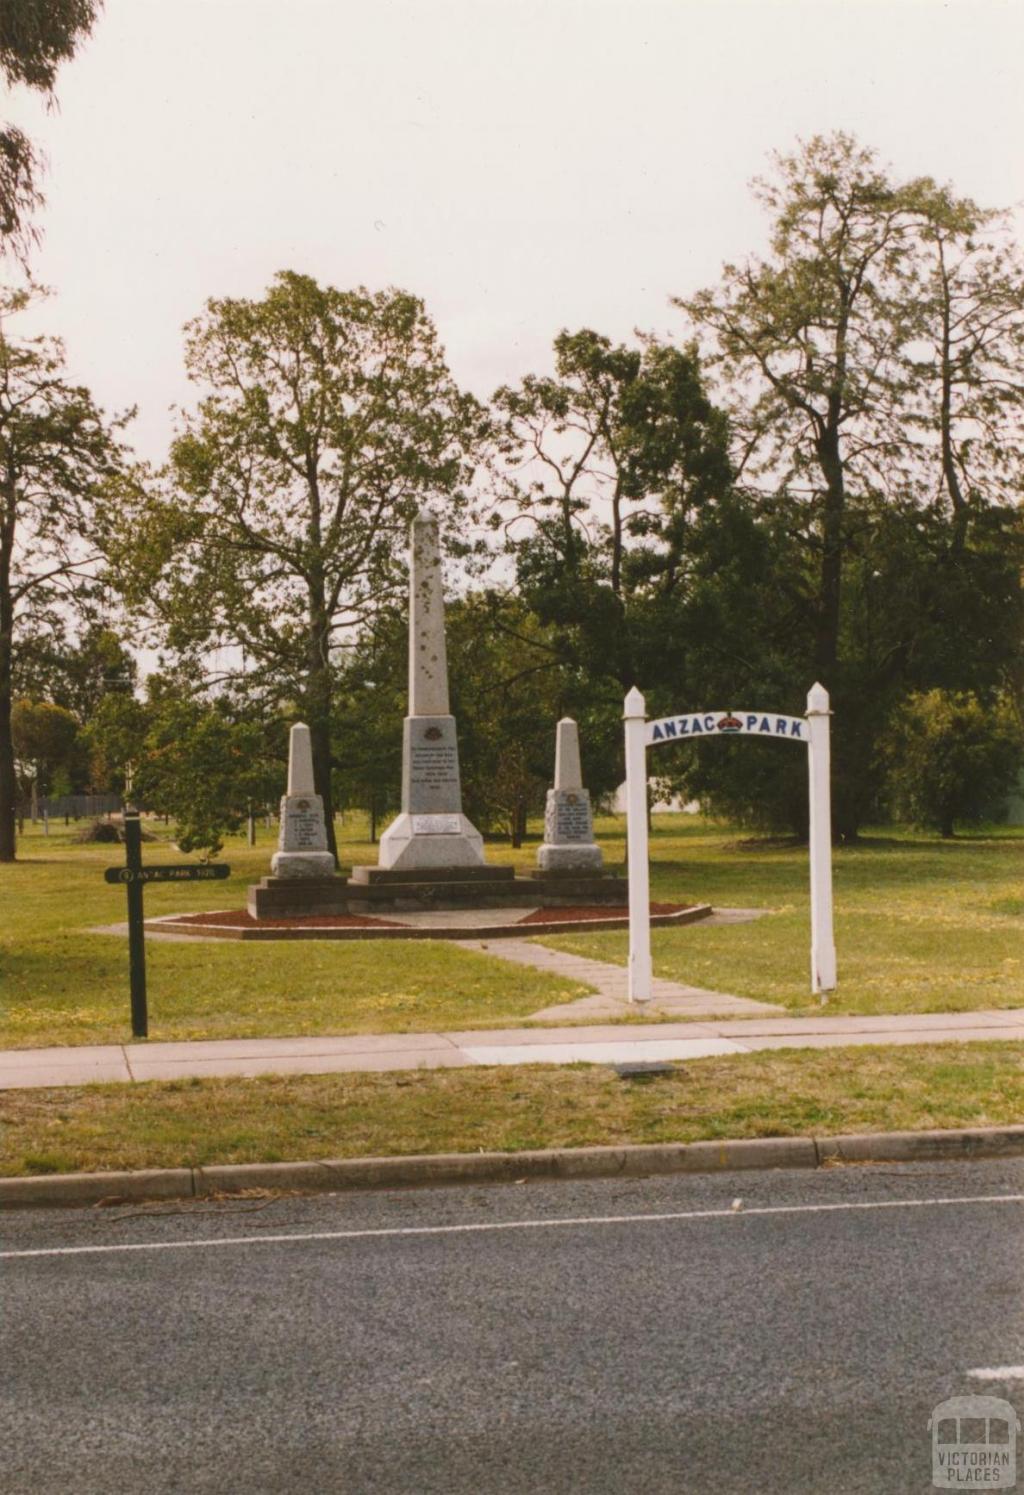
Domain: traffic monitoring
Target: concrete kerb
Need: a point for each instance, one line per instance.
(441, 1169)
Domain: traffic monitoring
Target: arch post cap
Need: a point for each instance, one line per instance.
(818, 700)
(634, 704)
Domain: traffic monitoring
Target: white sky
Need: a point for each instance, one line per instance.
(524, 165)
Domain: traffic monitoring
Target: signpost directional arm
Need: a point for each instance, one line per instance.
(134, 876)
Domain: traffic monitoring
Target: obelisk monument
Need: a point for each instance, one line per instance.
(431, 832)
(569, 844)
(302, 841)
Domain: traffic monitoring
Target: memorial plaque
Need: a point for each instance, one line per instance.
(571, 816)
(435, 764)
(436, 825)
(303, 828)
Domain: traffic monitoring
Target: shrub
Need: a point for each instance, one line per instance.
(951, 757)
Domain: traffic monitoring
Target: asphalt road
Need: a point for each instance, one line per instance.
(525, 1338)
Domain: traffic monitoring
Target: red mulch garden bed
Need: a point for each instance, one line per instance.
(239, 918)
(595, 911)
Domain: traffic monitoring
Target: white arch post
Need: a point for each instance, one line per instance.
(813, 732)
(638, 869)
(823, 945)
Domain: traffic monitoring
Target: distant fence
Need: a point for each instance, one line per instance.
(74, 806)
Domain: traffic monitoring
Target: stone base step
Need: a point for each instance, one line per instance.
(579, 887)
(451, 893)
(291, 897)
(373, 876)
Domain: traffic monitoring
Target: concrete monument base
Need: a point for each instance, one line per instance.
(377, 889)
(295, 864)
(295, 897)
(431, 831)
(407, 848)
(569, 858)
(569, 885)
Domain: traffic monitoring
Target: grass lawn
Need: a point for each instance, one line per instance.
(59, 984)
(783, 1093)
(922, 925)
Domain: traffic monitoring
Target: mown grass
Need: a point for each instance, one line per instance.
(777, 1094)
(922, 925)
(61, 984)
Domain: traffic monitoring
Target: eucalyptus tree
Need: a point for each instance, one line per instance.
(605, 468)
(870, 364)
(57, 454)
(36, 36)
(326, 418)
(967, 363)
(809, 342)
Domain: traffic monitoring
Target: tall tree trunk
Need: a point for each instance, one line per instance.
(826, 650)
(950, 475)
(319, 696)
(8, 782)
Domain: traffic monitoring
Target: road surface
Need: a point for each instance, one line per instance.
(649, 1336)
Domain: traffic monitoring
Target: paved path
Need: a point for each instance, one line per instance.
(611, 983)
(784, 1333)
(601, 1044)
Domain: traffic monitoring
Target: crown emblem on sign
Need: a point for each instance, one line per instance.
(433, 733)
(730, 723)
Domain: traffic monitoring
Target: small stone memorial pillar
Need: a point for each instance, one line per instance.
(302, 841)
(431, 832)
(569, 844)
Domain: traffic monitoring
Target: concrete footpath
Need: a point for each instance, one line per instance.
(608, 1043)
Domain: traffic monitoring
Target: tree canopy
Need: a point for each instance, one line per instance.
(57, 452)
(326, 419)
(36, 36)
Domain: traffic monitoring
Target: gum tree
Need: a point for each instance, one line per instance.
(606, 468)
(870, 362)
(36, 36)
(326, 418)
(57, 452)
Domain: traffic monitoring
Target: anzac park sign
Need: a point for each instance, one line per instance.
(812, 731)
(709, 723)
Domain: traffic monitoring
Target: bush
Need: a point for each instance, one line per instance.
(950, 757)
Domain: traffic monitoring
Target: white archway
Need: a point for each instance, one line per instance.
(812, 731)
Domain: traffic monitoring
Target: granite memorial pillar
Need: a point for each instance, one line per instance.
(431, 832)
(302, 840)
(569, 844)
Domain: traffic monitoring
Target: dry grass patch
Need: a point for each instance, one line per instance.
(782, 1093)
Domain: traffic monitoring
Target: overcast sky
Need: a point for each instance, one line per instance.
(523, 165)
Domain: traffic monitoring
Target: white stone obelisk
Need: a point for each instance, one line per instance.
(569, 844)
(302, 841)
(431, 832)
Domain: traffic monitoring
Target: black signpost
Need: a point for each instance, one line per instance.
(135, 876)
